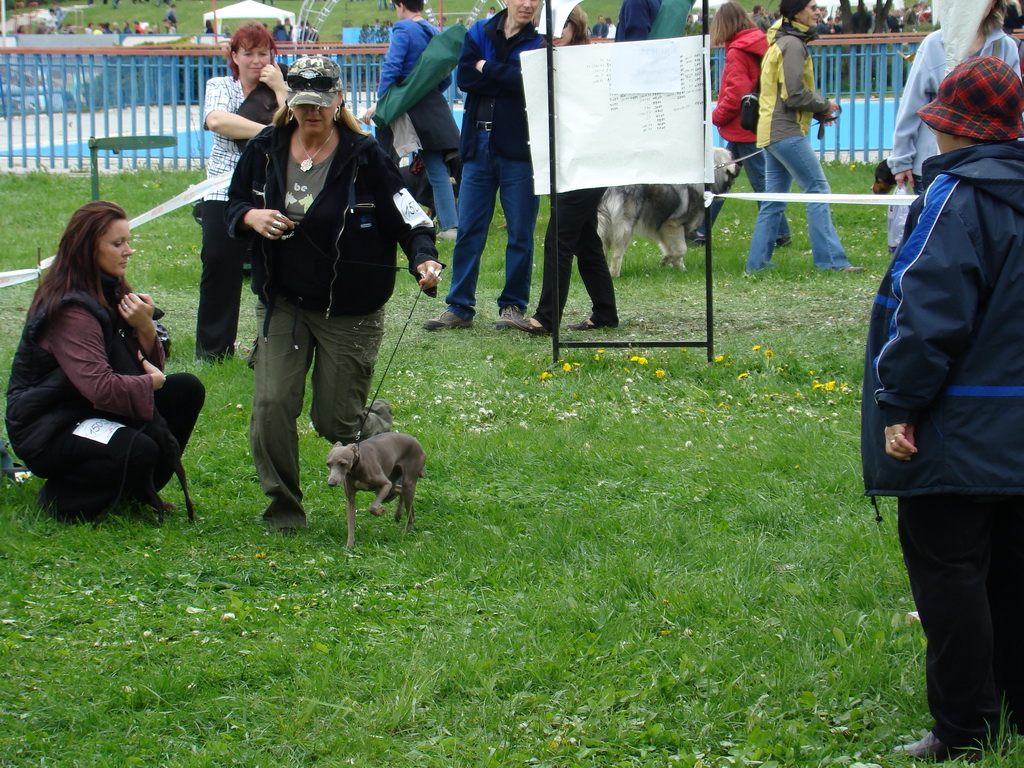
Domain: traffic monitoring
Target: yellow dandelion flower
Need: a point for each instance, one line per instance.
(756, 347)
(830, 386)
(659, 373)
(720, 358)
(743, 375)
(600, 351)
(769, 354)
(566, 367)
(546, 375)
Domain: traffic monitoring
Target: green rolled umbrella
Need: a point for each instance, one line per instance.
(436, 62)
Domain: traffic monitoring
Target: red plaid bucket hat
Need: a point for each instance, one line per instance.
(982, 98)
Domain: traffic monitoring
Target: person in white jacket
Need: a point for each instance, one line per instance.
(913, 142)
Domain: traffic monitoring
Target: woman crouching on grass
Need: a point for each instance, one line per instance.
(88, 374)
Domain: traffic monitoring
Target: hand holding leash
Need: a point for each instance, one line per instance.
(430, 276)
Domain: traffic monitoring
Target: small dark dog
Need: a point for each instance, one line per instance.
(390, 463)
(661, 212)
(885, 179)
(170, 452)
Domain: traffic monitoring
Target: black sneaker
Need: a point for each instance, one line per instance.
(784, 242)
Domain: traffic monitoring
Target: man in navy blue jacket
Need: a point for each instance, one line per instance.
(943, 408)
(636, 17)
(495, 152)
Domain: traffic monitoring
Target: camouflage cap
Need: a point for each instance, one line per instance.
(313, 80)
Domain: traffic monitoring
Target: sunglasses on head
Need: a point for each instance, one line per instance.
(319, 83)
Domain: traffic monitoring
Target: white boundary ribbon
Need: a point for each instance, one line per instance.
(799, 197)
(190, 195)
(218, 183)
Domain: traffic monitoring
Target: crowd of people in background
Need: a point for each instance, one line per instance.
(863, 20)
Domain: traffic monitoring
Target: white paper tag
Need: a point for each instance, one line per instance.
(98, 430)
(412, 213)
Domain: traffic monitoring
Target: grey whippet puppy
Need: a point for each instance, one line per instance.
(390, 464)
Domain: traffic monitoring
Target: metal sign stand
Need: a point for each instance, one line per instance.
(556, 342)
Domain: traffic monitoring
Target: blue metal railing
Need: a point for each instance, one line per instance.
(866, 79)
(52, 103)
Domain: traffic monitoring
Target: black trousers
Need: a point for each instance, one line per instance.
(577, 236)
(965, 558)
(85, 477)
(220, 286)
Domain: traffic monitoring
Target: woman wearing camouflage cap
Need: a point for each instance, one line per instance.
(326, 209)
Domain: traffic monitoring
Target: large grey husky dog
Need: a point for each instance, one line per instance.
(661, 212)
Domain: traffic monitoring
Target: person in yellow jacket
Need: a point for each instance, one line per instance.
(787, 104)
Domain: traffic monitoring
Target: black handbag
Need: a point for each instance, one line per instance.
(750, 110)
(259, 106)
(750, 106)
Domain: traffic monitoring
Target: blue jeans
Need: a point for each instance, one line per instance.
(754, 166)
(787, 161)
(444, 193)
(482, 178)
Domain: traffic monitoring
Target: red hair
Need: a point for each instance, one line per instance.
(250, 36)
(75, 269)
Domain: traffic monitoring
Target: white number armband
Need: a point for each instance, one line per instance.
(411, 212)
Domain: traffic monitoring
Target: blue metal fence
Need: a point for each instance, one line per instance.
(51, 103)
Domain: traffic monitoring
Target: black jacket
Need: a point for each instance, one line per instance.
(41, 400)
(341, 256)
(945, 350)
(501, 82)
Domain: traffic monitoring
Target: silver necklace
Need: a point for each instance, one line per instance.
(306, 164)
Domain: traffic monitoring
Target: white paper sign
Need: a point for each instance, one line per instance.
(98, 430)
(627, 133)
(646, 67)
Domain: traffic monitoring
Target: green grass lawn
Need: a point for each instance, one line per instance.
(638, 558)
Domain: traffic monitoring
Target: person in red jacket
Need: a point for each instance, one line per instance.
(745, 44)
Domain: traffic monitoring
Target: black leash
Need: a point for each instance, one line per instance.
(380, 383)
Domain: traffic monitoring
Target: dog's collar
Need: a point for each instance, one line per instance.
(355, 455)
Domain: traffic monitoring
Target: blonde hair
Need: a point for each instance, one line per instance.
(994, 20)
(341, 115)
(727, 21)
